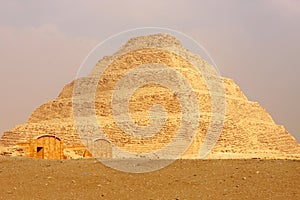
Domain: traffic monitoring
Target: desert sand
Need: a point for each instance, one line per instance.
(32, 178)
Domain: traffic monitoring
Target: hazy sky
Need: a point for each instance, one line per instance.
(256, 43)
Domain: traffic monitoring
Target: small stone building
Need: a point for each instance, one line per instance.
(46, 147)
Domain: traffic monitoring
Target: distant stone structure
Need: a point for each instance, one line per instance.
(50, 133)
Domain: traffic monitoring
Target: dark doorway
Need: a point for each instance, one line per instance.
(40, 152)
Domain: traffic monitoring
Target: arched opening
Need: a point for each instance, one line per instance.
(47, 147)
(102, 149)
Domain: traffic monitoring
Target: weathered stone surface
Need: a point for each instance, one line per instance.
(249, 131)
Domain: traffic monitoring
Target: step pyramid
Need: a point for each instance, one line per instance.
(52, 131)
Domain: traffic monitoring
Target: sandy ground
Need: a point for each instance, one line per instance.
(26, 178)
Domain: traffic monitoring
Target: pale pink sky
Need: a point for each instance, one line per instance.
(42, 45)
